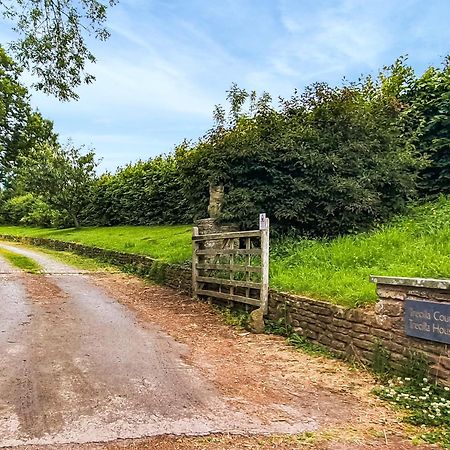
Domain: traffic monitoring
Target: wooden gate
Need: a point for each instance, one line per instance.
(232, 266)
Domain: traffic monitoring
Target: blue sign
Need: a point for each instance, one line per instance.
(427, 320)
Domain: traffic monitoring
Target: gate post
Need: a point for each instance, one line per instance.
(195, 261)
(265, 247)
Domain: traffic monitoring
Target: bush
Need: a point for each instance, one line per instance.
(145, 193)
(331, 161)
(28, 209)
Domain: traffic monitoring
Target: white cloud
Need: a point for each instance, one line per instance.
(167, 63)
(331, 38)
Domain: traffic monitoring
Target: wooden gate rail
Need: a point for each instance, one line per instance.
(208, 252)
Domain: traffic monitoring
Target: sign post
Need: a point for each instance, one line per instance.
(264, 228)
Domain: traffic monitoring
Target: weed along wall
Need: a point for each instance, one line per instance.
(411, 321)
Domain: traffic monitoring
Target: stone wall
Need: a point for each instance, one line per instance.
(356, 333)
(173, 275)
(350, 333)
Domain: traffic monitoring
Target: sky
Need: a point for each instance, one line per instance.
(168, 62)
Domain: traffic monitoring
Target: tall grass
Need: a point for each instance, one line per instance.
(415, 245)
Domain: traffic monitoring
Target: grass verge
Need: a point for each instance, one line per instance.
(171, 243)
(20, 261)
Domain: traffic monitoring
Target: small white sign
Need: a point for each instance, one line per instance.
(263, 221)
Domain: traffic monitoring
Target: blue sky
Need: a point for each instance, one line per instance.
(168, 62)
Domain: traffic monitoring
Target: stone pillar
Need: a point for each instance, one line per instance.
(211, 226)
(216, 193)
(418, 310)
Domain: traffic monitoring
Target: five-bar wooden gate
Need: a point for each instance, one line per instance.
(232, 266)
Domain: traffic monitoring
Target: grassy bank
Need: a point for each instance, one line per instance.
(415, 245)
(168, 243)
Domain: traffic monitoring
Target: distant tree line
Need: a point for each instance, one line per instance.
(326, 161)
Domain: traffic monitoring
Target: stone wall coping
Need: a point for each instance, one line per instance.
(429, 283)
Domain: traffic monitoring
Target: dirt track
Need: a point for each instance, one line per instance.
(90, 358)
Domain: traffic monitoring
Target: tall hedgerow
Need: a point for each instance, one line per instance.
(427, 121)
(143, 193)
(329, 161)
(324, 162)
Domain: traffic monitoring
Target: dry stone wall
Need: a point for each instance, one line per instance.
(359, 333)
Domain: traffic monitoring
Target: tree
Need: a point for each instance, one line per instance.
(52, 40)
(428, 121)
(35, 131)
(62, 176)
(20, 127)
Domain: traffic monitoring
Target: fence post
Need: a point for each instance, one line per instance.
(195, 245)
(264, 227)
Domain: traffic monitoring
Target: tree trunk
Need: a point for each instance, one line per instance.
(75, 221)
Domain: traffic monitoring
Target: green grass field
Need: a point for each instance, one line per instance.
(415, 245)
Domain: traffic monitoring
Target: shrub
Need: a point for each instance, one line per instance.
(328, 162)
(28, 209)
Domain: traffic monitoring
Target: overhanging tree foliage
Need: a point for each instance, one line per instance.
(52, 40)
(20, 127)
